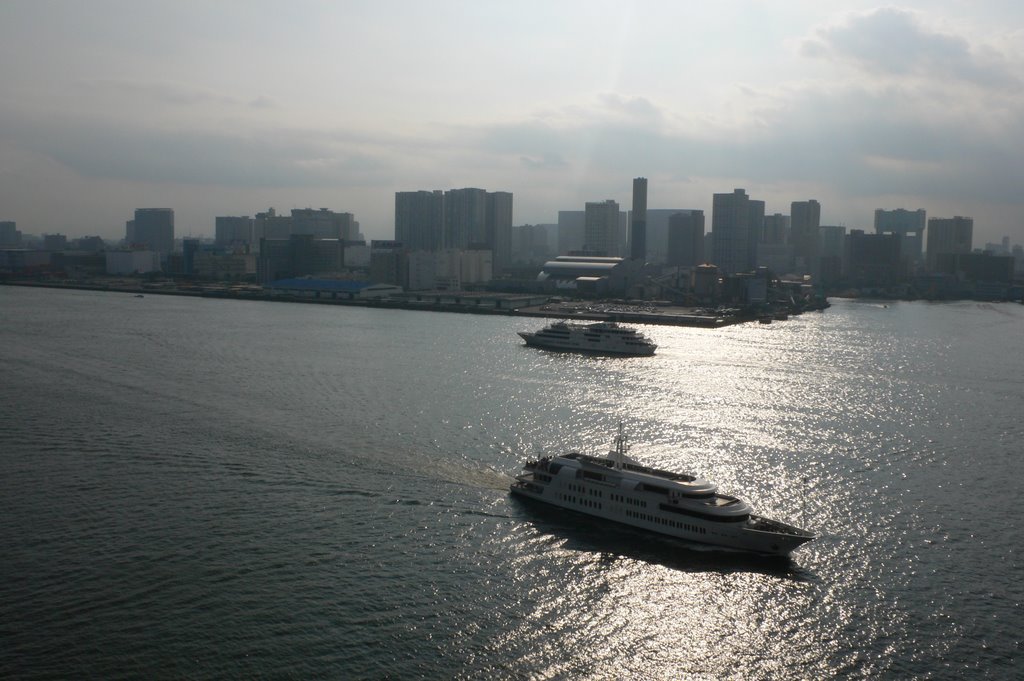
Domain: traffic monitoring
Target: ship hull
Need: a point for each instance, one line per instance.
(690, 530)
(579, 345)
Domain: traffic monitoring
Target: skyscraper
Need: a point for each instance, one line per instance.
(233, 231)
(638, 230)
(571, 231)
(498, 229)
(465, 218)
(736, 224)
(419, 220)
(947, 236)
(456, 219)
(601, 221)
(804, 236)
(908, 224)
(686, 239)
(152, 228)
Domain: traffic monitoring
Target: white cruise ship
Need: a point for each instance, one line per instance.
(620, 489)
(600, 337)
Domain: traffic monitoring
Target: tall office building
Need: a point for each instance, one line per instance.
(776, 229)
(804, 235)
(638, 226)
(571, 229)
(948, 236)
(419, 220)
(153, 229)
(736, 224)
(686, 239)
(656, 232)
(908, 224)
(465, 217)
(456, 219)
(775, 252)
(600, 228)
(10, 236)
(498, 229)
(324, 224)
(233, 231)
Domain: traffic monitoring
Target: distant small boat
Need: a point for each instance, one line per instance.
(605, 338)
(139, 295)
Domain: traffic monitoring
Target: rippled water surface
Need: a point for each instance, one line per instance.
(202, 489)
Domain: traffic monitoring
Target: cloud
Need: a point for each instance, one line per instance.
(893, 42)
(112, 150)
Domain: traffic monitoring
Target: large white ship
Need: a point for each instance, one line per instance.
(620, 489)
(601, 337)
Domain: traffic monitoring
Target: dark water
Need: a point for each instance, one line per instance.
(205, 489)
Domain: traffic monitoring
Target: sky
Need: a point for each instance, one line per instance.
(231, 107)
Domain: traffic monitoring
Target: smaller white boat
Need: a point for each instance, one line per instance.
(605, 338)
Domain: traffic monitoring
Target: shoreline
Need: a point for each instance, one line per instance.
(583, 311)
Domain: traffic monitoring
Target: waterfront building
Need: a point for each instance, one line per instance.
(804, 236)
(833, 239)
(270, 225)
(152, 229)
(600, 228)
(420, 270)
(456, 219)
(387, 262)
(320, 224)
(686, 239)
(571, 231)
(774, 250)
(948, 236)
(233, 232)
(122, 263)
(736, 224)
(419, 219)
(465, 217)
(874, 260)
(977, 267)
(297, 256)
(776, 229)
(909, 225)
(357, 254)
(10, 237)
(219, 266)
(55, 242)
(24, 260)
(638, 221)
(531, 244)
(498, 229)
(324, 224)
(657, 232)
(594, 275)
(92, 244)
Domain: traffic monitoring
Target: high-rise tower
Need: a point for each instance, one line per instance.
(419, 220)
(601, 220)
(153, 228)
(736, 222)
(638, 230)
(804, 224)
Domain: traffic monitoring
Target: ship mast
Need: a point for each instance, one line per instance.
(620, 448)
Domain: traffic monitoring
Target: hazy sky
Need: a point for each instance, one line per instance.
(228, 108)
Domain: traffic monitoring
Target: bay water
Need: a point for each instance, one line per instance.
(198, 488)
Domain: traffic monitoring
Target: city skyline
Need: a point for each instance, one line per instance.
(110, 107)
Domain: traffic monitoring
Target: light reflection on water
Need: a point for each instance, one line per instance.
(343, 510)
